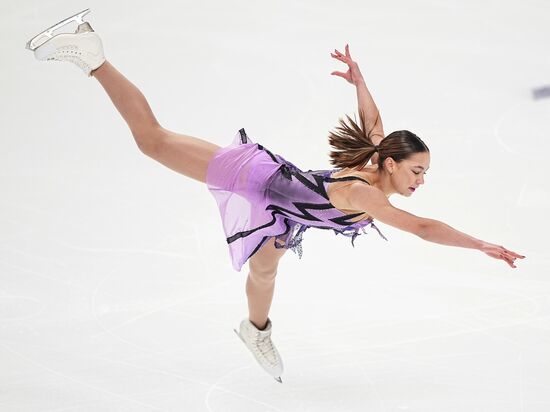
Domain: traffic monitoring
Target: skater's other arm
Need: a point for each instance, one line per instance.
(365, 102)
(375, 204)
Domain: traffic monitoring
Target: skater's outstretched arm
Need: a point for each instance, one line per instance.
(375, 204)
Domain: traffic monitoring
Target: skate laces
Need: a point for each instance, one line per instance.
(263, 343)
(71, 54)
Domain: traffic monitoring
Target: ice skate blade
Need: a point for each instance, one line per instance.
(239, 335)
(47, 34)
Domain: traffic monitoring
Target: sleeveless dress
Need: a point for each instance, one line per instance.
(262, 195)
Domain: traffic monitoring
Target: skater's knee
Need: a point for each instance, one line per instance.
(263, 264)
(262, 274)
(148, 139)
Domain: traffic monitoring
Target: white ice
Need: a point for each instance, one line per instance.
(116, 288)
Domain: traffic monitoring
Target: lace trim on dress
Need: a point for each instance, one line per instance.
(293, 237)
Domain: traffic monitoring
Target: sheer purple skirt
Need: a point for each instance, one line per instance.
(237, 177)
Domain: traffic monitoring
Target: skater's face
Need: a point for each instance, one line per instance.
(408, 174)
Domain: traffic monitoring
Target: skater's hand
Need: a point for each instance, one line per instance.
(500, 252)
(353, 75)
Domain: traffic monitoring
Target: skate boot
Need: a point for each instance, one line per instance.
(83, 47)
(259, 343)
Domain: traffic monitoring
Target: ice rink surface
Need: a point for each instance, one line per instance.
(116, 287)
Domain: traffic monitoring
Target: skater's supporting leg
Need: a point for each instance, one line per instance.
(260, 283)
(184, 154)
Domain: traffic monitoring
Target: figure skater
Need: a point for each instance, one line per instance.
(266, 202)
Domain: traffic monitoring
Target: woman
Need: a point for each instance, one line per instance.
(266, 202)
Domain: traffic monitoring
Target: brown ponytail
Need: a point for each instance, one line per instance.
(352, 142)
(354, 147)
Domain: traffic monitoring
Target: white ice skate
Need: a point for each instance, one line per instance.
(260, 344)
(83, 47)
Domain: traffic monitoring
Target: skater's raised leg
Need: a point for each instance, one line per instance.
(185, 154)
(130, 103)
(182, 153)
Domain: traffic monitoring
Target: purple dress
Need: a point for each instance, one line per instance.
(261, 195)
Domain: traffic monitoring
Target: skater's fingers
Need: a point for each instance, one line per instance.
(510, 255)
(508, 260)
(347, 51)
(344, 57)
(517, 255)
(513, 255)
(341, 58)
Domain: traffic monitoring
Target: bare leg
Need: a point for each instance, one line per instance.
(260, 284)
(128, 100)
(185, 154)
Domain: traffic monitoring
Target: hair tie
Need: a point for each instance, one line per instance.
(376, 148)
